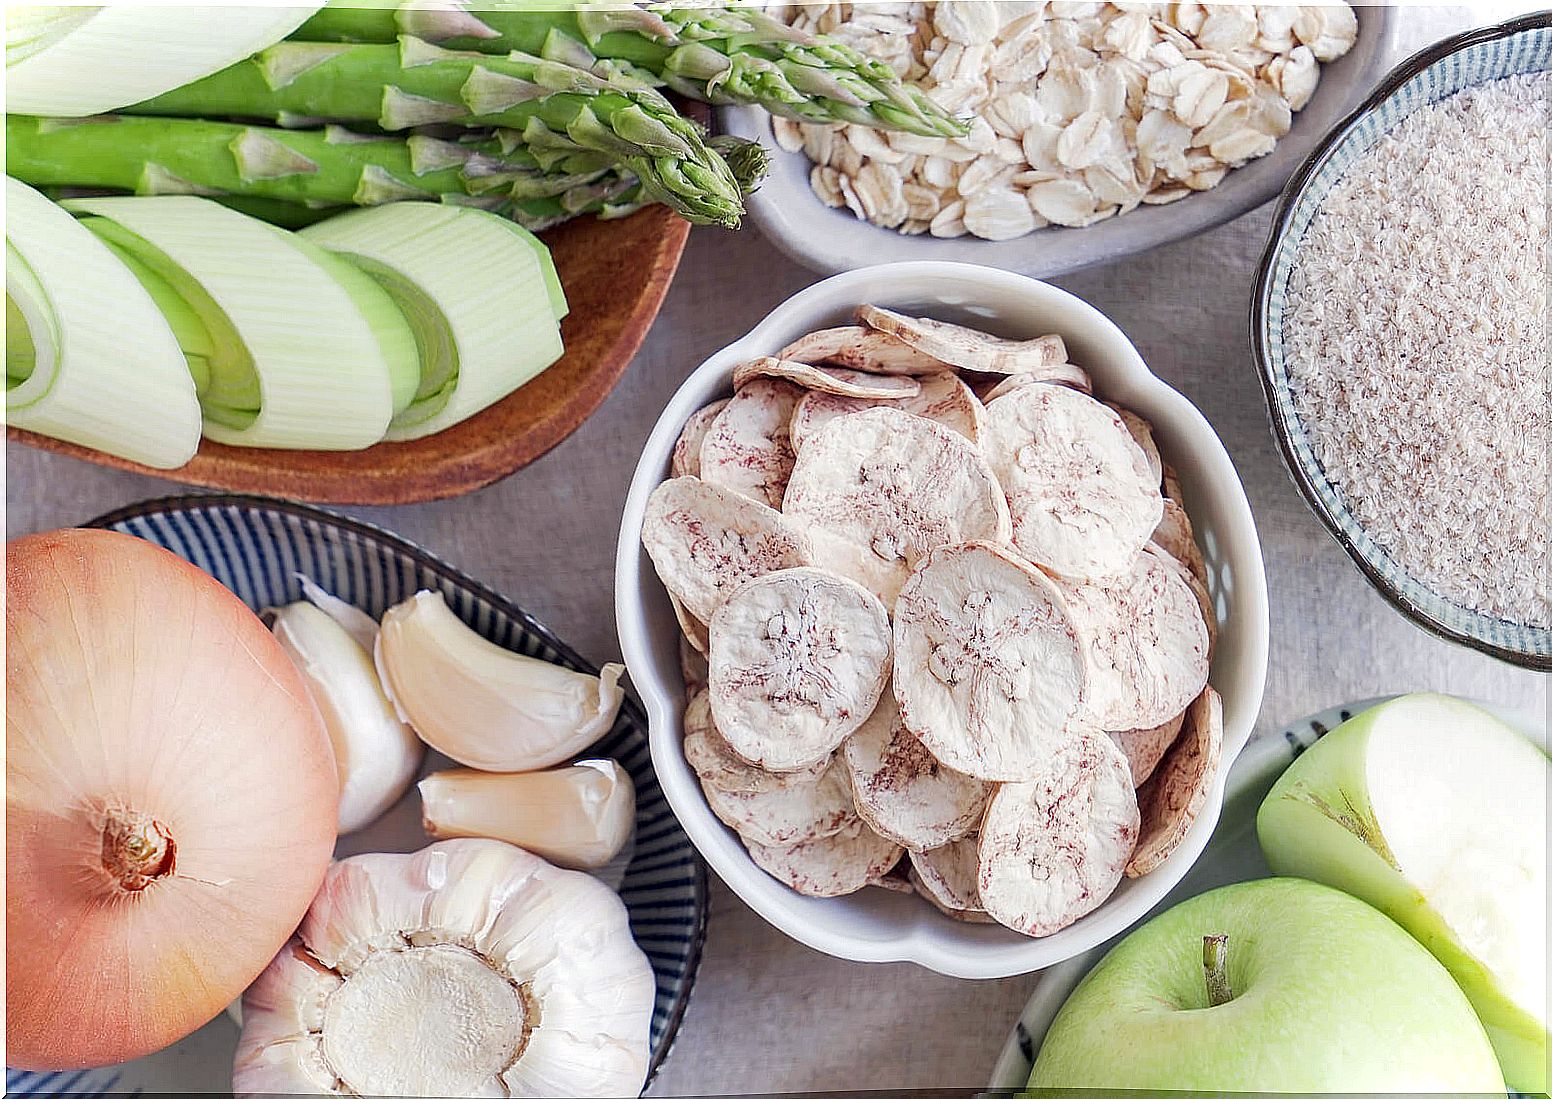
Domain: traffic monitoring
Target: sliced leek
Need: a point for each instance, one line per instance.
(89, 357)
(304, 351)
(478, 338)
(67, 62)
(31, 28)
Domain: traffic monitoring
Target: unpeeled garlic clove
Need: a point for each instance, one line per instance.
(375, 753)
(578, 816)
(470, 967)
(482, 705)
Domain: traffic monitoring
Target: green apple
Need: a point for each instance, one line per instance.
(1317, 992)
(1435, 812)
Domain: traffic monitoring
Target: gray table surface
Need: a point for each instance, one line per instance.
(767, 1014)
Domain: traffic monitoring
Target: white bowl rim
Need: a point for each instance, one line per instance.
(939, 950)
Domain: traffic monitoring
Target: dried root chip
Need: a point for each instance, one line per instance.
(1172, 798)
(989, 667)
(943, 399)
(692, 631)
(748, 448)
(1204, 600)
(839, 380)
(1175, 537)
(860, 348)
(1147, 643)
(1054, 847)
(1063, 373)
(1082, 497)
(966, 348)
(1142, 434)
(830, 866)
(686, 461)
(857, 563)
(799, 659)
(795, 812)
(706, 540)
(948, 876)
(898, 486)
(692, 665)
(902, 791)
(716, 764)
(1144, 748)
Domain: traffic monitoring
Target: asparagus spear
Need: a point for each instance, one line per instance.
(259, 167)
(718, 52)
(415, 84)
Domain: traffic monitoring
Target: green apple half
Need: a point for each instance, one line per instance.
(1435, 812)
(1324, 994)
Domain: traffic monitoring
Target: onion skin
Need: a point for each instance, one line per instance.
(170, 799)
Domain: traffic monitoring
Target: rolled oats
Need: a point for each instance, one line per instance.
(1078, 110)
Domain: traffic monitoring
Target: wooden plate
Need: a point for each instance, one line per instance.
(615, 274)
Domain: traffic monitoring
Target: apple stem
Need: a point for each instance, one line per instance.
(1215, 963)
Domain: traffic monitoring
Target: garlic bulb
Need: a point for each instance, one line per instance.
(376, 754)
(483, 705)
(468, 968)
(578, 816)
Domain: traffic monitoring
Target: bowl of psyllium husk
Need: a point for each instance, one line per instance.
(1400, 325)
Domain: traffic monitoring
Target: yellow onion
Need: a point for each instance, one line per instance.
(170, 798)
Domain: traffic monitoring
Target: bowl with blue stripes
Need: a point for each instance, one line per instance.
(259, 548)
(1479, 56)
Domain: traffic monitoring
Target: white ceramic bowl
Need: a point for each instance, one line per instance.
(827, 240)
(876, 925)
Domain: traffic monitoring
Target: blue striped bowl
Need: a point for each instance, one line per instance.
(257, 547)
(1519, 46)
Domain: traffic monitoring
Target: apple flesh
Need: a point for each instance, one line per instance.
(1325, 994)
(1435, 812)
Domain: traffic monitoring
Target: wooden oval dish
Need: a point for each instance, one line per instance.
(615, 275)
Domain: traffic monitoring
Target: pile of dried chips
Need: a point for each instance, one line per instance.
(946, 625)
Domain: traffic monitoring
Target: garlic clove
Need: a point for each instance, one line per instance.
(279, 1052)
(361, 905)
(296, 1067)
(482, 705)
(375, 753)
(471, 967)
(578, 816)
(555, 1059)
(286, 1002)
(361, 626)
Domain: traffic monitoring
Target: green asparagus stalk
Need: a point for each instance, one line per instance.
(320, 167)
(717, 52)
(414, 84)
(283, 176)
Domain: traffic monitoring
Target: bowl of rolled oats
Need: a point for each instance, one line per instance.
(1093, 130)
(1399, 321)
(948, 616)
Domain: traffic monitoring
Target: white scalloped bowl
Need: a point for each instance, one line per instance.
(876, 925)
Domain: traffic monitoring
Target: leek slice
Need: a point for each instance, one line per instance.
(480, 337)
(30, 28)
(70, 62)
(558, 304)
(302, 354)
(105, 370)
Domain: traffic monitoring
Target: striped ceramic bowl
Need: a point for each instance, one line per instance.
(1519, 46)
(257, 548)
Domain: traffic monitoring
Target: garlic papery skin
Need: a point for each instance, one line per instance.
(578, 816)
(471, 967)
(482, 705)
(375, 753)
